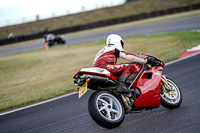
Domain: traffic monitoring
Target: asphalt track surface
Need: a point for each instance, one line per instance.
(70, 114)
(188, 23)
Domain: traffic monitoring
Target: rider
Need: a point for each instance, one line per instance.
(108, 56)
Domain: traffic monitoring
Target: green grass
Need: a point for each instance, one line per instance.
(131, 8)
(38, 75)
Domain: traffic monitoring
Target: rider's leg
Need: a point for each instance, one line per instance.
(121, 87)
(125, 70)
(133, 67)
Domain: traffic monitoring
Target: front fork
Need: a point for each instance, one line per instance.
(167, 86)
(164, 81)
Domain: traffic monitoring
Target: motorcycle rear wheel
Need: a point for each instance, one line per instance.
(171, 99)
(106, 109)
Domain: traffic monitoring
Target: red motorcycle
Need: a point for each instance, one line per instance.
(107, 107)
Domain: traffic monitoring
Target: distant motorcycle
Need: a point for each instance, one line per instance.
(107, 107)
(53, 40)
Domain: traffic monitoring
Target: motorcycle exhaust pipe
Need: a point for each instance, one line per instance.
(93, 78)
(99, 79)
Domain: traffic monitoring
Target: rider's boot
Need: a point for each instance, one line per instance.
(121, 87)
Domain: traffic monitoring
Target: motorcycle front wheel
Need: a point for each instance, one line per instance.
(171, 96)
(106, 109)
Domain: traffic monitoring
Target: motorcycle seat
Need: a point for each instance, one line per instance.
(99, 71)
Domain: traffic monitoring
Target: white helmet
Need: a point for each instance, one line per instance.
(116, 41)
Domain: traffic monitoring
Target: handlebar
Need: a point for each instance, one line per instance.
(156, 62)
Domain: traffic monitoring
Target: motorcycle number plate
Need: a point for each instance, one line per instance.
(82, 90)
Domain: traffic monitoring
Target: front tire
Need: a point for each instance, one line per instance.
(171, 98)
(106, 109)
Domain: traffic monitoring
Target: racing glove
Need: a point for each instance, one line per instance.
(150, 59)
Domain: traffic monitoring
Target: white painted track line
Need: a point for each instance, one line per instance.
(33, 105)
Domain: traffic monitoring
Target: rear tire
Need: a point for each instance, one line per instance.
(106, 109)
(171, 99)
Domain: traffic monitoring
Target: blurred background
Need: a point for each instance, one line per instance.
(22, 11)
(34, 18)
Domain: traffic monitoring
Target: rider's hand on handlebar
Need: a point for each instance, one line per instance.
(150, 59)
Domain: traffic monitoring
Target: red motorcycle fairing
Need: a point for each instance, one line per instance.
(149, 84)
